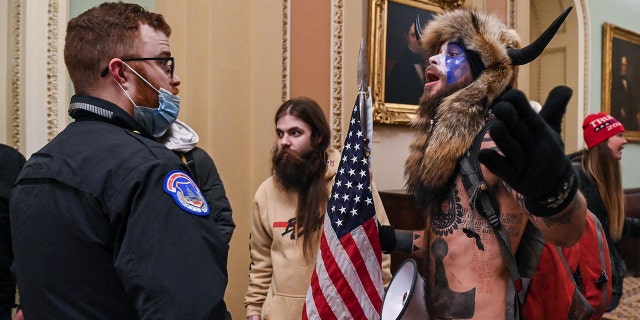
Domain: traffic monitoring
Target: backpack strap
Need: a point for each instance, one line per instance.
(481, 199)
(602, 280)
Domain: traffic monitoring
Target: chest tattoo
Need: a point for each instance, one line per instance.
(441, 296)
(449, 216)
(472, 234)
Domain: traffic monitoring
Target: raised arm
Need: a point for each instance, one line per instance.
(531, 161)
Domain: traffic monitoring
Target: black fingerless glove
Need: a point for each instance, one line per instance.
(533, 162)
(387, 238)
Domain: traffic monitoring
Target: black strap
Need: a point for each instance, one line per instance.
(481, 199)
(602, 280)
(480, 195)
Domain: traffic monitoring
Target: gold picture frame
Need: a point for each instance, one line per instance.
(388, 24)
(620, 85)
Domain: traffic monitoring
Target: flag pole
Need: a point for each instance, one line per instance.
(364, 96)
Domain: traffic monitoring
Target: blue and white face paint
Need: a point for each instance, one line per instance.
(452, 62)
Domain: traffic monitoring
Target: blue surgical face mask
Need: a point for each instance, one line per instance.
(156, 120)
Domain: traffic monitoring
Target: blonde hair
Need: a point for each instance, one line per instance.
(602, 167)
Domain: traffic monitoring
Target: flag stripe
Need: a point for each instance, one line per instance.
(363, 267)
(341, 276)
(373, 253)
(362, 274)
(320, 302)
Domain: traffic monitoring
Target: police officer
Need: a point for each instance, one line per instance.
(12, 161)
(107, 223)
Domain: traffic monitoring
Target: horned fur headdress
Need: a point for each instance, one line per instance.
(444, 137)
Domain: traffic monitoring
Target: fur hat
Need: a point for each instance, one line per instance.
(445, 136)
(441, 141)
(599, 127)
(481, 33)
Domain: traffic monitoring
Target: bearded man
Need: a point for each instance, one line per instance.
(288, 211)
(472, 67)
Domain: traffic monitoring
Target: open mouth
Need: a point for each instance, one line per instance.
(432, 76)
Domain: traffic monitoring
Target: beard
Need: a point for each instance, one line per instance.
(145, 96)
(295, 170)
(447, 122)
(428, 104)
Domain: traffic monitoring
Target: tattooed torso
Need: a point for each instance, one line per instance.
(467, 276)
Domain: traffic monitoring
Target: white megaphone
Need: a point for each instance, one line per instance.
(405, 296)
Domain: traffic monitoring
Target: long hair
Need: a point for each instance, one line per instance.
(602, 167)
(312, 196)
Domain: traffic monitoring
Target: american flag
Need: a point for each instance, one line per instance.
(347, 280)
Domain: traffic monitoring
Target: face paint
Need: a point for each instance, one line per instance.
(456, 63)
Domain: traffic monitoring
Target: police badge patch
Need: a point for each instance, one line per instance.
(185, 193)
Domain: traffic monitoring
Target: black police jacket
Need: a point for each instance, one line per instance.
(108, 224)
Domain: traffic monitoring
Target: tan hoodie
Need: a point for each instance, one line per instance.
(279, 275)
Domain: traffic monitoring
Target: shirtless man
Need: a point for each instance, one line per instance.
(472, 67)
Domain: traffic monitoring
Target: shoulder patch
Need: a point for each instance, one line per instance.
(185, 193)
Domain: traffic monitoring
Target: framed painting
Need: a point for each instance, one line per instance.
(621, 78)
(397, 62)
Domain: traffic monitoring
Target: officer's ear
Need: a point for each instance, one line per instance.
(115, 69)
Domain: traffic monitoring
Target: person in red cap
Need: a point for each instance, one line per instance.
(600, 127)
(598, 167)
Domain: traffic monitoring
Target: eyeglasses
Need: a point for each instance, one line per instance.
(167, 62)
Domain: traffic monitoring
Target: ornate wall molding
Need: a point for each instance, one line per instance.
(511, 14)
(337, 39)
(15, 23)
(52, 69)
(585, 23)
(535, 20)
(36, 77)
(285, 50)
